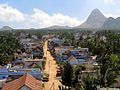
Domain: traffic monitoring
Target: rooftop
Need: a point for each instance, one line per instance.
(33, 60)
(26, 80)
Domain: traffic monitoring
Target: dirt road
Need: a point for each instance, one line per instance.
(50, 68)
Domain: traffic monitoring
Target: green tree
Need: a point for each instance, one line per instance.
(67, 75)
(89, 83)
(109, 66)
(8, 45)
(77, 75)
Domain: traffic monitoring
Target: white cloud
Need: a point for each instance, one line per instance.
(108, 1)
(112, 2)
(37, 19)
(44, 19)
(111, 15)
(8, 13)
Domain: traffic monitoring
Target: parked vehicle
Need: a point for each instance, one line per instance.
(44, 58)
(58, 74)
(45, 77)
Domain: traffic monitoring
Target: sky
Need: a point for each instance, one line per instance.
(46, 13)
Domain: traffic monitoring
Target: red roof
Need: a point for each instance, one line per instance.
(71, 58)
(26, 80)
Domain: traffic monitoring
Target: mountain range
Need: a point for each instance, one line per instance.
(6, 28)
(112, 23)
(58, 27)
(96, 20)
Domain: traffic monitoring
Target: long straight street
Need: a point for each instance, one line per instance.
(51, 69)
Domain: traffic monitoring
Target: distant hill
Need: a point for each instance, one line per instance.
(95, 20)
(112, 23)
(6, 28)
(58, 27)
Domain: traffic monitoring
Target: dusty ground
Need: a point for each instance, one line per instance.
(50, 68)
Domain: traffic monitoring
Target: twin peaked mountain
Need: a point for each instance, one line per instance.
(97, 20)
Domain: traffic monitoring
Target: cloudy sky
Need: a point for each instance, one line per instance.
(45, 13)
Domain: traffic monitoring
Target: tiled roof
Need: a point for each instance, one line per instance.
(71, 58)
(26, 80)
